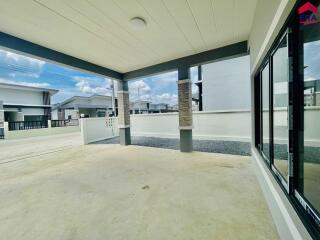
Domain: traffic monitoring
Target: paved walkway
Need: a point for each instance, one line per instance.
(111, 192)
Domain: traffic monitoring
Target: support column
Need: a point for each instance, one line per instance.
(185, 109)
(124, 113)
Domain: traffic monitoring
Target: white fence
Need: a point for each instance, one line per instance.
(20, 134)
(218, 125)
(224, 125)
(97, 129)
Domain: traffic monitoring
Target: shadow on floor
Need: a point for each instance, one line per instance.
(226, 147)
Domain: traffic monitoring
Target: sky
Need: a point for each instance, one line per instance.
(19, 69)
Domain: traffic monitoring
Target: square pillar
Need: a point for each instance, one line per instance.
(185, 109)
(124, 113)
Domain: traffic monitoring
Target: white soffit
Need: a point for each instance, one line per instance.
(99, 31)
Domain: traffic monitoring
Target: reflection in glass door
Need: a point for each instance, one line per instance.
(311, 113)
(265, 112)
(280, 75)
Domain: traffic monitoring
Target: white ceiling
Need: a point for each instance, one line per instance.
(99, 31)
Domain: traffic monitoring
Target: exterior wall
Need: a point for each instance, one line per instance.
(32, 111)
(226, 85)
(101, 101)
(143, 106)
(71, 112)
(107, 102)
(269, 18)
(223, 125)
(21, 96)
(97, 129)
(54, 114)
(86, 111)
(218, 125)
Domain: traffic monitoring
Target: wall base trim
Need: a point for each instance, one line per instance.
(287, 221)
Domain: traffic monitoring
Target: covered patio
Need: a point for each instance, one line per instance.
(110, 192)
(122, 191)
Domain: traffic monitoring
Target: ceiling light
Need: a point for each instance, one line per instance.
(138, 23)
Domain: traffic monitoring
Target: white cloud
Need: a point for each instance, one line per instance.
(30, 84)
(171, 99)
(139, 85)
(166, 78)
(139, 90)
(22, 65)
(93, 85)
(146, 94)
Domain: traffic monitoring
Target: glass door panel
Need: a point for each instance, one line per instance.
(311, 156)
(265, 113)
(280, 108)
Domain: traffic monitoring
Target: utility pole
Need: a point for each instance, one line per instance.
(139, 100)
(113, 98)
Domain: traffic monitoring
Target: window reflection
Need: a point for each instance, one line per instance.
(280, 108)
(311, 156)
(265, 113)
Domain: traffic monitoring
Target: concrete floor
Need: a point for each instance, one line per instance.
(113, 192)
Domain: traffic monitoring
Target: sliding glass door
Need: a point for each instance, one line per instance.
(311, 113)
(265, 112)
(280, 108)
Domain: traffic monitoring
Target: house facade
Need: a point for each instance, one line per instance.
(84, 107)
(137, 107)
(25, 103)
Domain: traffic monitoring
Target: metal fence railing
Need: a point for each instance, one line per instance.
(24, 125)
(64, 123)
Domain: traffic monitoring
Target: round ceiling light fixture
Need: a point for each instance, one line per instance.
(138, 23)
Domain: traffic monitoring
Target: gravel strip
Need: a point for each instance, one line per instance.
(226, 147)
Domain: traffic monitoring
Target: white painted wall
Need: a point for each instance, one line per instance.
(32, 111)
(97, 129)
(269, 17)
(218, 125)
(101, 101)
(226, 85)
(221, 125)
(54, 114)
(71, 112)
(21, 96)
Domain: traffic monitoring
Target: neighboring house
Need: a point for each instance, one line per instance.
(78, 106)
(158, 108)
(25, 103)
(312, 93)
(137, 107)
(195, 102)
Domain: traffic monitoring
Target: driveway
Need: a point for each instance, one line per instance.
(15, 150)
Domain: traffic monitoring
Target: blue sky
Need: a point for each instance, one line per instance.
(19, 69)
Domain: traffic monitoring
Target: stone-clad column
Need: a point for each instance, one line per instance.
(124, 113)
(185, 109)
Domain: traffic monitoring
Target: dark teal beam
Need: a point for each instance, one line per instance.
(227, 52)
(23, 46)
